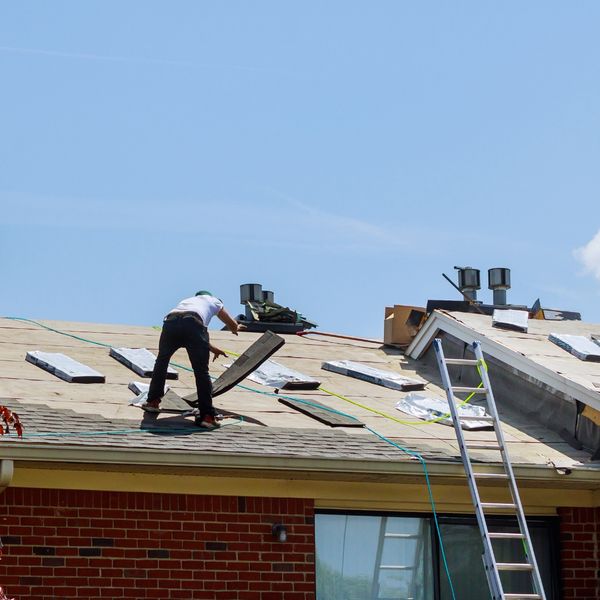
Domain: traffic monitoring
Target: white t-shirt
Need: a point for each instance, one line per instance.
(204, 306)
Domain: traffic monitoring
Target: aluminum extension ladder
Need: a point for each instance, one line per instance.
(492, 567)
(380, 568)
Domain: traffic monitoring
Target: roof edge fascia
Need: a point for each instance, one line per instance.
(258, 463)
(442, 321)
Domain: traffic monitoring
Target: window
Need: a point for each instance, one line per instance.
(386, 556)
(463, 546)
(373, 557)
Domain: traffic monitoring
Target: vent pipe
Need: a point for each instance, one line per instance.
(468, 281)
(268, 296)
(499, 282)
(251, 292)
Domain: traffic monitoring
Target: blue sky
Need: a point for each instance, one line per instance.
(343, 154)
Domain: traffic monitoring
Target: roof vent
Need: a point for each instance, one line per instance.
(499, 282)
(468, 281)
(262, 313)
(251, 291)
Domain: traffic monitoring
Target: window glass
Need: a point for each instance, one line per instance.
(373, 557)
(463, 547)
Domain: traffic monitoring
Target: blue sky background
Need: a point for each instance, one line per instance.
(343, 154)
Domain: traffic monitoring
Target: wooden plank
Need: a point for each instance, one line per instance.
(321, 413)
(253, 357)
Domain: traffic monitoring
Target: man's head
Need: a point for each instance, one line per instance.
(204, 293)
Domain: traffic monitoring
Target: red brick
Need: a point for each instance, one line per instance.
(179, 524)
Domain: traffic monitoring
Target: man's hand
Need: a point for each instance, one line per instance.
(239, 327)
(230, 322)
(217, 352)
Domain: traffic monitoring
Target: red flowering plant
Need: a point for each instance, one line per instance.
(9, 419)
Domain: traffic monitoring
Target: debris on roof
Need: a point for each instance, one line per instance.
(263, 313)
(266, 345)
(429, 408)
(273, 374)
(140, 361)
(64, 367)
(321, 413)
(387, 379)
(577, 345)
(170, 403)
(510, 319)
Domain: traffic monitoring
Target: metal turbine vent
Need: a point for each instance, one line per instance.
(468, 281)
(499, 282)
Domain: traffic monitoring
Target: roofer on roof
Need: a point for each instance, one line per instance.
(186, 327)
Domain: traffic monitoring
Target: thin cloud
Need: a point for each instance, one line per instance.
(589, 256)
(97, 57)
(357, 232)
(139, 60)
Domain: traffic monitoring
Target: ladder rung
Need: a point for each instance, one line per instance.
(483, 446)
(514, 567)
(525, 596)
(468, 390)
(467, 362)
(469, 418)
(498, 505)
(490, 475)
(405, 536)
(506, 536)
(397, 567)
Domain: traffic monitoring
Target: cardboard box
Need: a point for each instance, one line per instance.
(401, 324)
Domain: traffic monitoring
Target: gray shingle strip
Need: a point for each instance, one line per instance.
(322, 413)
(177, 434)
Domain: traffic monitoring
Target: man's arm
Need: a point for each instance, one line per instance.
(217, 352)
(230, 322)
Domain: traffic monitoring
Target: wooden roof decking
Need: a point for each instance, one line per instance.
(26, 385)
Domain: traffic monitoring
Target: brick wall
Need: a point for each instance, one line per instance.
(580, 553)
(101, 545)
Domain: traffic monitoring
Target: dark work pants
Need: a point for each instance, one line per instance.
(189, 333)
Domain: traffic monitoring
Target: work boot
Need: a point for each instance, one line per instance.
(207, 422)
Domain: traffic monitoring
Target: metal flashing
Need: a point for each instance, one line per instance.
(510, 319)
(140, 361)
(388, 379)
(577, 345)
(273, 374)
(428, 407)
(64, 367)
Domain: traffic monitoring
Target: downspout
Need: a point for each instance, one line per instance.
(6, 473)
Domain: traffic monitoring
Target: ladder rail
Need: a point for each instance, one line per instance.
(489, 560)
(529, 552)
(492, 566)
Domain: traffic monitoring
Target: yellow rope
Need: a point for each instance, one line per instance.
(396, 420)
(390, 417)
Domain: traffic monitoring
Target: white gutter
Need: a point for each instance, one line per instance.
(6, 473)
(288, 465)
(441, 321)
